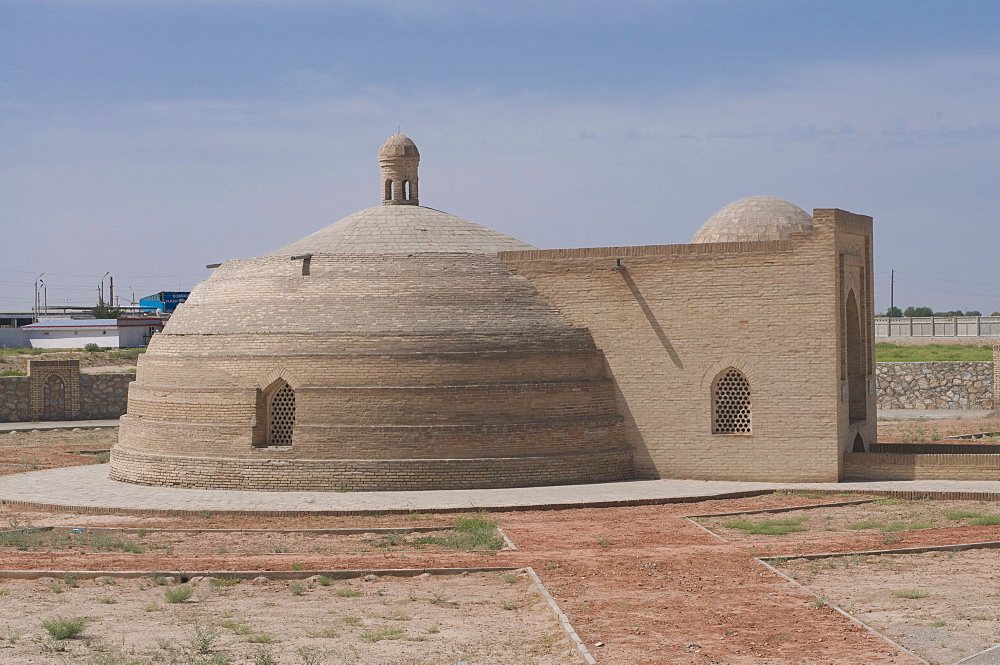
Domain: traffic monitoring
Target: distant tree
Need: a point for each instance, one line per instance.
(973, 312)
(894, 311)
(104, 310)
(995, 314)
(918, 311)
(954, 312)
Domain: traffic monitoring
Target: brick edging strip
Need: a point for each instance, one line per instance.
(854, 619)
(984, 545)
(785, 509)
(564, 623)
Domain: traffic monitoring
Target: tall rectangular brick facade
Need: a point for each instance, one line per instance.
(671, 319)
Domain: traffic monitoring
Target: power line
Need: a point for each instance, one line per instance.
(940, 290)
(944, 279)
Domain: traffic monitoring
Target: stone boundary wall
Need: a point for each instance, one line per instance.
(104, 396)
(935, 385)
(15, 399)
(101, 396)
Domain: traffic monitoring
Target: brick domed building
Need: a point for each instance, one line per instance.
(406, 348)
(390, 350)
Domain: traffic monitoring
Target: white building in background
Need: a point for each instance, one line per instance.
(77, 333)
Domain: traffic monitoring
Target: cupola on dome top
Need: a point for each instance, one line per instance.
(399, 158)
(755, 218)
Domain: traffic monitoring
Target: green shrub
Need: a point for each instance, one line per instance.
(91, 347)
(986, 520)
(178, 594)
(960, 514)
(203, 638)
(382, 634)
(64, 628)
(348, 592)
(475, 533)
(910, 593)
(768, 527)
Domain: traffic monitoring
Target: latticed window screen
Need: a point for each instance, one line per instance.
(281, 417)
(732, 404)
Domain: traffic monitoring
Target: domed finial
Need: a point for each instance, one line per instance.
(399, 158)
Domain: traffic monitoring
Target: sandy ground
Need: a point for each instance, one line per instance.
(476, 618)
(942, 605)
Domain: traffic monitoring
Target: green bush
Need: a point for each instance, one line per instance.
(91, 347)
(178, 594)
(64, 628)
(768, 527)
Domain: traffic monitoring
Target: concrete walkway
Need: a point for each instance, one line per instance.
(88, 489)
(42, 426)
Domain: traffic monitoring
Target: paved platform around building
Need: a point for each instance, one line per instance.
(46, 425)
(88, 489)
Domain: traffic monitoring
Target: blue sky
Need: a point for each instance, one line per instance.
(150, 137)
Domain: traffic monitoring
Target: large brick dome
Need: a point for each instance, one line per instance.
(390, 350)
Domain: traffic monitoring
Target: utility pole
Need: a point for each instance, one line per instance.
(111, 293)
(37, 279)
(892, 291)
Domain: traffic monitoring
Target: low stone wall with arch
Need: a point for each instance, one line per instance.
(55, 390)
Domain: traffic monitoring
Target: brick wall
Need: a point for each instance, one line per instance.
(672, 318)
(894, 466)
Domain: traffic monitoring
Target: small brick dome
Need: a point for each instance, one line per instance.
(755, 218)
(398, 145)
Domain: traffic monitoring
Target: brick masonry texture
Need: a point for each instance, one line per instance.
(935, 385)
(896, 466)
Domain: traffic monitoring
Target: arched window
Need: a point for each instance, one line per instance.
(281, 416)
(406, 190)
(388, 189)
(731, 403)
